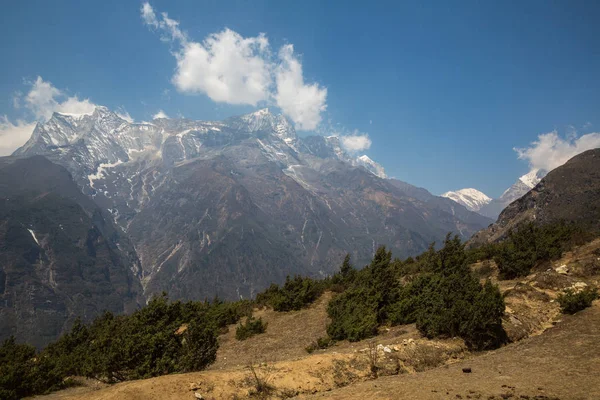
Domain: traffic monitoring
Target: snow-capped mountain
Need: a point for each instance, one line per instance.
(202, 208)
(533, 177)
(242, 202)
(371, 166)
(472, 199)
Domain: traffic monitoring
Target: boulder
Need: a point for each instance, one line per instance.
(563, 269)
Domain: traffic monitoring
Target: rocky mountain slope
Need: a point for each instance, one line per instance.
(569, 192)
(227, 207)
(60, 255)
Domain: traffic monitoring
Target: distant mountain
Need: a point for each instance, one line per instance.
(228, 207)
(371, 166)
(477, 201)
(569, 193)
(472, 199)
(60, 255)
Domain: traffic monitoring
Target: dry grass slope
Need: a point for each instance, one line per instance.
(555, 357)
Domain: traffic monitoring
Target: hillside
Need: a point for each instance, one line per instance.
(552, 357)
(60, 256)
(568, 193)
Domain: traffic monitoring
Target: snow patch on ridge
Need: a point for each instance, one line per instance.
(100, 171)
(34, 237)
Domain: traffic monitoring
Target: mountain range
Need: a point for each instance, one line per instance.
(200, 209)
(474, 200)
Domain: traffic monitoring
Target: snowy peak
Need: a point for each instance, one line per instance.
(532, 178)
(371, 166)
(471, 198)
(523, 185)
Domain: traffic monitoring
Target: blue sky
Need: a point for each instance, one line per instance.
(443, 91)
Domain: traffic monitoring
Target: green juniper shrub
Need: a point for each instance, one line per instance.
(225, 313)
(295, 294)
(199, 347)
(249, 328)
(341, 280)
(528, 244)
(353, 315)
(572, 302)
(443, 298)
(162, 337)
(23, 374)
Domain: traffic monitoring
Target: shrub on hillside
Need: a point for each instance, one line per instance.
(162, 337)
(249, 328)
(529, 244)
(320, 344)
(353, 315)
(572, 302)
(22, 374)
(444, 299)
(295, 294)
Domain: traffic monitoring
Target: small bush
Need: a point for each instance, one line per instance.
(320, 344)
(251, 327)
(423, 357)
(260, 381)
(571, 302)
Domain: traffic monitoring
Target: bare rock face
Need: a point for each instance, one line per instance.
(60, 255)
(228, 207)
(568, 193)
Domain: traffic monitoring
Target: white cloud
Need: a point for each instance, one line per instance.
(301, 102)
(74, 106)
(160, 114)
(355, 142)
(149, 16)
(123, 114)
(233, 69)
(551, 151)
(12, 135)
(43, 99)
(226, 67)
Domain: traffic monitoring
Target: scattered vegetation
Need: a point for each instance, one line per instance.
(295, 294)
(249, 328)
(162, 337)
(572, 302)
(443, 298)
(260, 381)
(424, 357)
(373, 357)
(528, 245)
(435, 290)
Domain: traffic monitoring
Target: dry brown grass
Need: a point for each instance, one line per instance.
(559, 364)
(287, 336)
